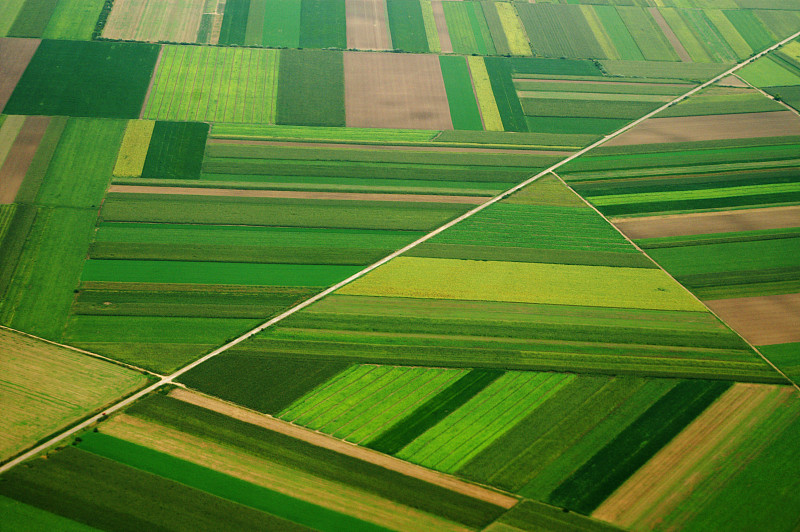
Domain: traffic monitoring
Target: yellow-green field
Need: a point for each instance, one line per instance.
(46, 387)
(557, 284)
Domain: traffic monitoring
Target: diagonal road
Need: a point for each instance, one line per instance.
(169, 379)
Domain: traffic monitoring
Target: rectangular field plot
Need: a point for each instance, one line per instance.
(85, 79)
(46, 387)
(367, 25)
(153, 20)
(200, 83)
(395, 91)
(311, 91)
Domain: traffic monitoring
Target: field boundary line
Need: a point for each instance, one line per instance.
(153, 77)
(754, 348)
(768, 95)
(84, 352)
(280, 317)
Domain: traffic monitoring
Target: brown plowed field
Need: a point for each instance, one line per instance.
(15, 54)
(670, 35)
(395, 91)
(19, 158)
(713, 127)
(328, 442)
(763, 320)
(367, 27)
(154, 20)
(441, 27)
(292, 194)
(710, 222)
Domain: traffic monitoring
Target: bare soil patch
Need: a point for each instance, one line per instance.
(762, 320)
(15, 54)
(20, 156)
(291, 194)
(713, 127)
(732, 81)
(441, 27)
(710, 222)
(670, 35)
(327, 442)
(155, 20)
(367, 25)
(395, 91)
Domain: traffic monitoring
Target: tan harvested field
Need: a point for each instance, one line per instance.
(395, 91)
(45, 387)
(707, 451)
(713, 127)
(15, 54)
(328, 442)
(155, 20)
(441, 27)
(670, 35)
(293, 194)
(20, 156)
(732, 81)
(421, 149)
(367, 25)
(273, 475)
(710, 222)
(763, 320)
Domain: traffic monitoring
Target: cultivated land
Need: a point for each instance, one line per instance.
(46, 387)
(395, 91)
(574, 354)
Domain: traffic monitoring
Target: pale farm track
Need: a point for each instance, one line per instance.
(169, 379)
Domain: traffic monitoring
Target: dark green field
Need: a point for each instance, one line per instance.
(85, 79)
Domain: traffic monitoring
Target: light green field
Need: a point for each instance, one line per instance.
(474, 426)
(767, 73)
(201, 83)
(524, 283)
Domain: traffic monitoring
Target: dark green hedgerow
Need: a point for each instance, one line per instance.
(433, 411)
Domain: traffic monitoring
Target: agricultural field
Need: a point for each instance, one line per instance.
(400, 264)
(46, 386)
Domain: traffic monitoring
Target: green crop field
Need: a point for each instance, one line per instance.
(609, 347)
(215, 85)
(74, 78)
(407, 26)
